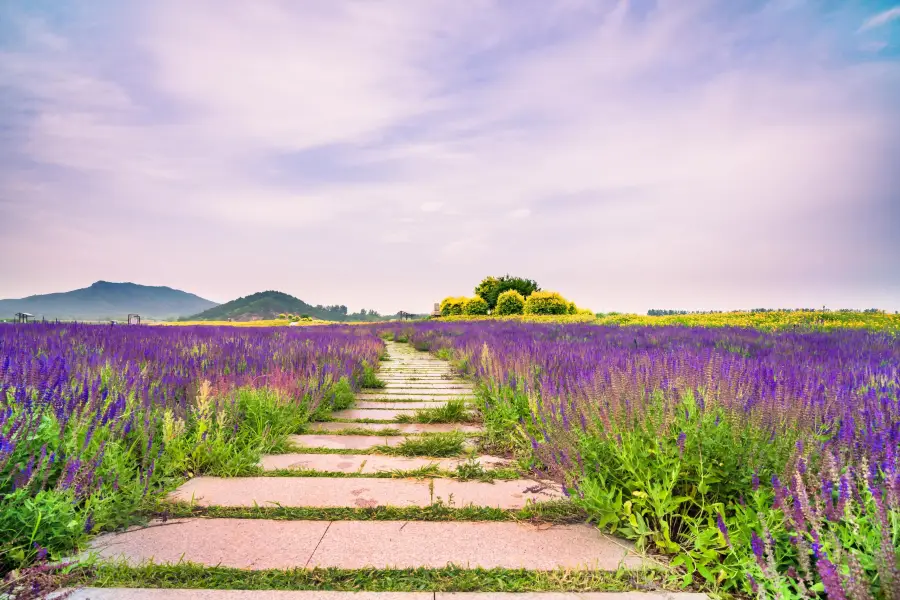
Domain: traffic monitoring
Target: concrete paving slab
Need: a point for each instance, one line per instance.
(401, 427)
(319, 492)
(569, 596)
(366, 463)
(378, 415)
(417, 397)
(346, 442)
(356, 492)
(419, 387)
(383, 544)
(423, 392)
(401, 405)
(166, 594)
(499, 494)
(240, 543)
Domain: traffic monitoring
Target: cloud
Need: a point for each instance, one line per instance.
(629, 154)
(880, 19)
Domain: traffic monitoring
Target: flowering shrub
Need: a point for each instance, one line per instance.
(475, 306)
(94, 420)
(546, 303)
(510, 302)
(764, 463)
(453, 305)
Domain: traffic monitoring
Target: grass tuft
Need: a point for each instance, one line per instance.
(441, 444)
(553, 511)
(446, 579)
(454, 411)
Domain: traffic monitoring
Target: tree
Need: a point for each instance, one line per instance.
(490, 288)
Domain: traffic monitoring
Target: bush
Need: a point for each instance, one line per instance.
(452, 305)
(546, 303)
(510, 302)
(491, 287)
(475, 306)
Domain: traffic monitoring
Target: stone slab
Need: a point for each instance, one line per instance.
(402, 405)
(401, 427)
(319, 492)
(165, 594)
(384, 544)
(357, 492)
(420, 388)
(240, 543)
(366, 463)
(417, 398)
(499, 494)
(345, 442)
(411, 393)
(569, 596)
(378, 415)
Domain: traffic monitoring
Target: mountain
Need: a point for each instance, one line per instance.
(270, 304)
(107, 300)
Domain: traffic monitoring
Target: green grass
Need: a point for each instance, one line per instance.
(558, 512)
(454, 411)
(428, 471)
(443, 444)
(358, 431)
(446, 579)
(370, 379)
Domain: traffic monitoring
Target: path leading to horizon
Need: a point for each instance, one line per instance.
(347, 464)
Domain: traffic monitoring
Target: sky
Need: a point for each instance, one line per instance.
(675, 154)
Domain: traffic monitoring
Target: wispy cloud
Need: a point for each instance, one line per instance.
(664, 153)
(882, 18)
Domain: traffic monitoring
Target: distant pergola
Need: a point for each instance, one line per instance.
(134, 319)
(22, 317)
(404, 315)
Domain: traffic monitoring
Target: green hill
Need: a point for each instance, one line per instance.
(107, 300)
(271, 304)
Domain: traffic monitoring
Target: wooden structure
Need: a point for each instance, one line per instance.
(437, 310)
(22, 317)
(404, 315)
(134, 319)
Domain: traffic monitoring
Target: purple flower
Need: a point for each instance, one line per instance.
(720, 523)
(682, 437)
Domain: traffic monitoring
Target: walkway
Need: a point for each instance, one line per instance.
(339, 471)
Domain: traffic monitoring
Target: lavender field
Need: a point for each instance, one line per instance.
(756, 464)
(97, 421)
(760, 463)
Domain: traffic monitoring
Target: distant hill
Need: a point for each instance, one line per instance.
(271, 304)
(107, 300)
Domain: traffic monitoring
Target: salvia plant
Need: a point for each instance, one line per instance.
(762, 463)
(96, 420)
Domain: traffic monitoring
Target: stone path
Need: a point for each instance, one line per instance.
(418, 380)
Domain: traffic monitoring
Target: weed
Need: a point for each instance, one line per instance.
(454, 411)
(428, 444)
(445, 579)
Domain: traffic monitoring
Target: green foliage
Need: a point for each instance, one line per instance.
(429, 444)
(510, 302)
(475, 306)
(546, 303)
(454, 411)
(370, 379)
(453, 305)
(490, 288)
(451, 578)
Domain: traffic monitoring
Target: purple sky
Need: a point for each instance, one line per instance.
(672, 154)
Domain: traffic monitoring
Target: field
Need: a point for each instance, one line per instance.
(754, 462)
(758, 461)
